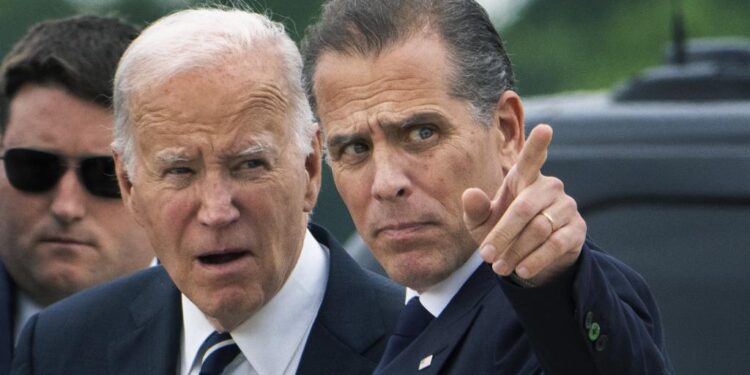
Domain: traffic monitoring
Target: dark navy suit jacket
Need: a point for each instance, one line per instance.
(133, 325)
(493, 326)
(7, 319)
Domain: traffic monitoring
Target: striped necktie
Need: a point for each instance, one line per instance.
(219, 350)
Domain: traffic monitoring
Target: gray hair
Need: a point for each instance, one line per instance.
(481, 69)
(198, 38)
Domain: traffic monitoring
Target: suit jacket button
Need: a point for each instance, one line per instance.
(594, 331)
(601, 343)
(589, 319)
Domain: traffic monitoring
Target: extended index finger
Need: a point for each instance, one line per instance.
(533, 155)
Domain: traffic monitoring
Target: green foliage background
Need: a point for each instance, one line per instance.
(556, 46)
(593, 44)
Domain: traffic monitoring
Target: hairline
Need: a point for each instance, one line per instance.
(424, 26)
(283, 49)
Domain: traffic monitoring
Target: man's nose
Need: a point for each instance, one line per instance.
(391, 176)
(69, 199)
(217, 203)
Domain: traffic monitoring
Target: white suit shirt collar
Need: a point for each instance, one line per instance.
(437, 297)
(273, 338)
(25, 309)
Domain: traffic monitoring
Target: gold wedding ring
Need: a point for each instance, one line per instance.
(549, 218)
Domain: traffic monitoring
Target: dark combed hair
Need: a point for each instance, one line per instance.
(481, 69)
(79, 54)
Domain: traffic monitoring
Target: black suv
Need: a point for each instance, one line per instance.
(661, 172)
(660, 168)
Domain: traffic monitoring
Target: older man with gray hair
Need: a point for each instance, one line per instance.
(219, 161)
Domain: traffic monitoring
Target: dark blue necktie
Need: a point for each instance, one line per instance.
(219, 350)
(411, 322)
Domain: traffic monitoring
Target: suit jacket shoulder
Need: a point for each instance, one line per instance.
(133, 325)
(494, 326)
(129, 326)
(357, 315)
(7, 319)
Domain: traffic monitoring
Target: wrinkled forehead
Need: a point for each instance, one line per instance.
(389, 87)
(220, 104)
(230, 79)
(196, 100)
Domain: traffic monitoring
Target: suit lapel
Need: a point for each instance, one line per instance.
(339, 339)
(431, 350)
(152, 344)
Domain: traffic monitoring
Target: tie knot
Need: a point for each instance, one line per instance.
(413, 320)
(218, 351)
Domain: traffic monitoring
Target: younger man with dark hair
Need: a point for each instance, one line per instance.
(416, 100)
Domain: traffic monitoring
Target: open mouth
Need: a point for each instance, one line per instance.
(222, 258)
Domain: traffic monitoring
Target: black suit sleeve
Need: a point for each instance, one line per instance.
(598, 318)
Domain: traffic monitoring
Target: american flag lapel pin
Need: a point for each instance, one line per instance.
(425, 362)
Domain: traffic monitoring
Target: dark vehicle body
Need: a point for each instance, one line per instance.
(666, 189)
(661, 173)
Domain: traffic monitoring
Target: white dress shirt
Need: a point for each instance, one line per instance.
(271, 341)
(437, 297)
(25, 309)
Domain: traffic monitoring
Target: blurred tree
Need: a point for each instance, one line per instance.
(16, 17)
(555, 45)
(591, 44)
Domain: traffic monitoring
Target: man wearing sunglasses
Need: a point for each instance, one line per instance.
(63, 226)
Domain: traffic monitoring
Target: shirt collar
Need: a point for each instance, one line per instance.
(273, 338)
(437, 297)
(195, 329)
(25, 309)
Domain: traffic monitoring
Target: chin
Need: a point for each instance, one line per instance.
(231, 308)
(62, 286)
(416, 271)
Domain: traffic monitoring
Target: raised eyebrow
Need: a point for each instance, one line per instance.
(252, 150)
(394, 127)
(421, 118)
(172, 156)
(387, 126)
(338, 140)
(257, 150)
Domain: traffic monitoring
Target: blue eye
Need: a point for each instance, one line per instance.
(425, 133)
(421, 133)
(355, 149)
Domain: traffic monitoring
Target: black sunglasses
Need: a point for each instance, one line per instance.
(38, 171)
